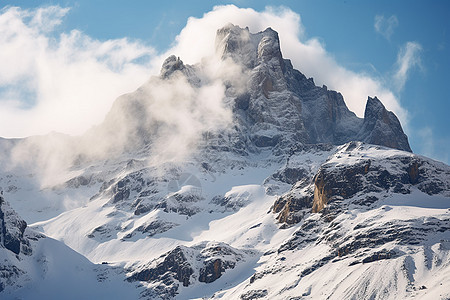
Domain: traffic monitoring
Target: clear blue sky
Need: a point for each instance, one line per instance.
(346, 29)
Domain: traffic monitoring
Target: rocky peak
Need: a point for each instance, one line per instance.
(170, 65)
(382, 127)
(247, 48)
(282, 98)
(269, 46)
(275, 106)
(236, 43)
(373, 106)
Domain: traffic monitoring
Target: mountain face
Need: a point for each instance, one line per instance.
(296, 110)
(272, 104)
(235, 178)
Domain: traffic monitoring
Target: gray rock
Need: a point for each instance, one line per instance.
(12, 228)
(282, 100)
(178, 266)
(254, 294)
(381, 127)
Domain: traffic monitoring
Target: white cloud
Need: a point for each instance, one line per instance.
(385, 26)
(408, 58)
(60, 82)
(46, 18)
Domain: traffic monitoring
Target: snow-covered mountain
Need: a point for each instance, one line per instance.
(235, 178)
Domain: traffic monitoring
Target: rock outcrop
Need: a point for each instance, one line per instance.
(205, 262)
(12, 229)
(381, 127)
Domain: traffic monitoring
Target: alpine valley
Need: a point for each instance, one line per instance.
(234, 178)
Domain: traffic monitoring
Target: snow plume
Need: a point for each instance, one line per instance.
(385, 26)
(186, 113)
(408, 58)
(165, 118)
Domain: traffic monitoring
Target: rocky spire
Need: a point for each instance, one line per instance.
(247, 48)
(170, 65)
(382, 127)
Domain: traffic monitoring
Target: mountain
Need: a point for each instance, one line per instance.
(235, 178)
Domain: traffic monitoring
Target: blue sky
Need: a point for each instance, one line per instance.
(402, 45)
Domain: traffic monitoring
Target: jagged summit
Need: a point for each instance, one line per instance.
(170, 65)
(281, 107)
(255, 101)
(247, 48)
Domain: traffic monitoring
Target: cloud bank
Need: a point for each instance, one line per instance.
(63, 82)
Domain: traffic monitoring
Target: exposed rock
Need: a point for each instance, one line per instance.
(352, 171)
(133, 182)
(291, 175)
(291, 209)
(254, 294)
(212, 260)
(266, 141)
(152, 228)
(233, 200)
(174, 264)
(342, 183)
(212, 271)
(343, 180)
(142, 209)
(236, 43)
(242, 101)
(413, 172)
(379, 256)
(9, 274)
(78, 181)
(182, 202)
(273, 105)
(171, 65)
(12, 229)
(381, 127)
